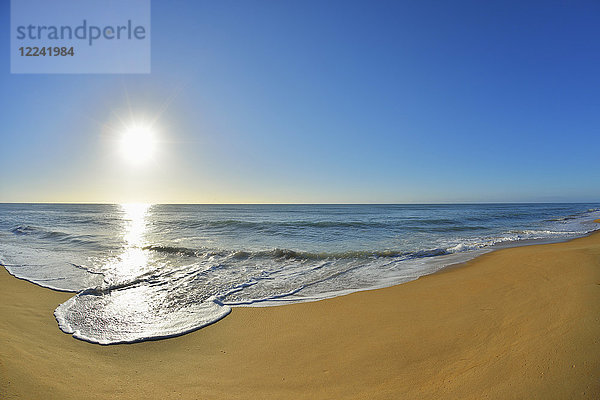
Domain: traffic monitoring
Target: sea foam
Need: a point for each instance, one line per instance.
(149, 272)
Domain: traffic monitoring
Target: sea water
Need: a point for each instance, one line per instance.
(140, 272)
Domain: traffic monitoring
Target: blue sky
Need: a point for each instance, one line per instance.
(337, 101)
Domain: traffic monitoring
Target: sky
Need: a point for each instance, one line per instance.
(322, 102)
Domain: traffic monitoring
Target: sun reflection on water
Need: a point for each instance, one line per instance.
(134, 258)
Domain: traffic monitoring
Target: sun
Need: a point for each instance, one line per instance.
(138, 143)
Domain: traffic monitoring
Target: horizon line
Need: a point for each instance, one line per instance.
(306, 203)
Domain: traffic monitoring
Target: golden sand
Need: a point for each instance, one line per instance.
(520, 323)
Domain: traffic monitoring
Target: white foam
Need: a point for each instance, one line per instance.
(131, 323)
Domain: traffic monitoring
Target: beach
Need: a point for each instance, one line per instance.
(514, 323)
(289, 200)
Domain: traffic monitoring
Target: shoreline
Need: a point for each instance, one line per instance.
(463, 258)
(511, 323)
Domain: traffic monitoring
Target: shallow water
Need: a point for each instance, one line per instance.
(152, 271)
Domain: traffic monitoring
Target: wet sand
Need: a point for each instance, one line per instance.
(512, 324)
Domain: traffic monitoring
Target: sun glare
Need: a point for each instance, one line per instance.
(138, 144)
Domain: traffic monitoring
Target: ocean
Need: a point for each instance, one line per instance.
(141, 272)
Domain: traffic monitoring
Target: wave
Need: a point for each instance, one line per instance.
(444, 229)
(567, 218)
(451, 224)
(24, 230)
(573, 216)
(87, 269)
(236, 223)
(173, 250)
(288, 254)
(51, 235)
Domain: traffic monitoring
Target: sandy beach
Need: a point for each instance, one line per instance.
(513, 324)
(300, 200)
